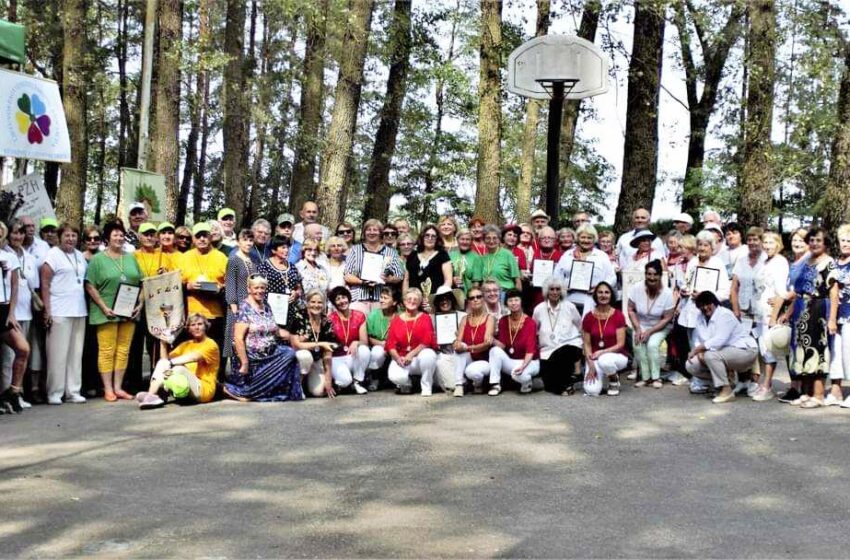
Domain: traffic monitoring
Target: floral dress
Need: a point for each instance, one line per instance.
(811, 354)
(273, 373)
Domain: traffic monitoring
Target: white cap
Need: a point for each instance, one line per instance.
(684, 217)
(137, 206)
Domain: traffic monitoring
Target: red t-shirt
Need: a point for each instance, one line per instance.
(346, 331)
(403, 336)
(521, 259)
(593, 326)
(480, 249)
(474, 336)
(524, 341)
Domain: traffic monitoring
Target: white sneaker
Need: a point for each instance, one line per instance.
(846, 403)
(677, 379)
(458, 392)
(698, 387)
(76, 399)
(763, 394)
(54, 400)
(24, 404)
(753, 388)
(426, 392)
(525, 388)
(359, 389)
(495, 390)
(632, 375)
(641, 383)
(831, 400)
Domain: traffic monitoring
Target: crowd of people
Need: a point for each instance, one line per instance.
(293, 309)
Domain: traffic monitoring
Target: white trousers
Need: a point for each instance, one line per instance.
(607, 364)
(501, 363)
(344, 370)
(65, 356)
(475, 370)
(423, 364)
(377, 357)
(839, 367)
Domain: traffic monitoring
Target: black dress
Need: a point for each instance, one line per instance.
(432, 269)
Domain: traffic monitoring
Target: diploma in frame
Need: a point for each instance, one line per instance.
(279, 304)
(581, 275)
(126, 299)
(706, 279)
(373, 267)
(446, 325)
(541, 271)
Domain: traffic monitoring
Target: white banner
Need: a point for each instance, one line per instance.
(32, 119)
(164, 305)
(31, 190)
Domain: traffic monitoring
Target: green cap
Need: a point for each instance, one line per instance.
(200, 227)
(224, 212)
(48, 222)
(178, 385)
(146, 227)
(285, 218)
(164, 226)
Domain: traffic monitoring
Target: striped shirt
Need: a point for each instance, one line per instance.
(354, 265)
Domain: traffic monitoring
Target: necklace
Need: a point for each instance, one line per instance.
(75, 265)
(475, 328)
(315, 331)
(602, 327)
(409, 330)
(651, 302)
(119, 264)
(346, 327)
(554, 315)
(513, 332)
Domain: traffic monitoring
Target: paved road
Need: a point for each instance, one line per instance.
(651, 473)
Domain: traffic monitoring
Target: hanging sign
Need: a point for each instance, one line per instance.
(32, 119)
(30, 189)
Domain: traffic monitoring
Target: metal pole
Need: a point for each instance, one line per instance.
(147, 72)
(553, 180)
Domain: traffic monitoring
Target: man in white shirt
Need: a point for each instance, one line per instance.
(309, 215)
(721, 344)
(227, 221)
(640, 222)
(33, 245)
(539, 220)
(683, 223)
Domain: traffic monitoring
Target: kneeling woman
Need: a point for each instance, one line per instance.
(351, 356)
(190, 370)
(267, 370)
(314, 341)
(604, 333)
(515, 350)
(474, 339)
(377, 327)
(410, 344)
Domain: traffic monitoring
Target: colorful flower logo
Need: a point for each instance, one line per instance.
(32, 119)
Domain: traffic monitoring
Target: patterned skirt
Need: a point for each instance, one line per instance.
(811, 351)
(274, 377)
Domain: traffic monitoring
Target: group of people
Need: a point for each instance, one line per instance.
(279, 311)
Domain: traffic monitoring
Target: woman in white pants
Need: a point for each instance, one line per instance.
(604, 334)
(62, 276)
(514, 351)
(839, 320)
(314, 341)
(410, 344)
(474, 340)
(351, 356)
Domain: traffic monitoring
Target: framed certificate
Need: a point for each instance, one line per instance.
(373, 267)
(446, 326)
(706, 279)
(541, 270)
(581, 275)
(279, 304)
(126, 299)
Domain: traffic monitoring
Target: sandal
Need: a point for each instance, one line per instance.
(568, 392)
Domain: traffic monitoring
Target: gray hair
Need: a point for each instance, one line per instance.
(490, 228)
(261, 222)
(707, 236)
(554, 281)
(588, 229)
(564, 230)
(316, 292)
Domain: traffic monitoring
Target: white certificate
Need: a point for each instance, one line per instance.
(373, 267)
(446, 326)
(279, 304)
(541, 271)
(126, 300)
(706, 279)
(581, 275)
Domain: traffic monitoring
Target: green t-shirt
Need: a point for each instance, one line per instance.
(105, 274)
(467, 266)
(502, 267)
(377, 324)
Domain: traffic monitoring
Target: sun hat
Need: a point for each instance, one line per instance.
(644, 235)
(777, 340)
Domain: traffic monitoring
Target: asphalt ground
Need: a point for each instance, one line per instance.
(650, 473)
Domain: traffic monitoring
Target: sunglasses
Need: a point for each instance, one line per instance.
(93, 239)
(201, 235)
(227, 218)
(429, 236)
(184, 237)
(346, 232)
(390, 234)
(149, 233)
(474, 298)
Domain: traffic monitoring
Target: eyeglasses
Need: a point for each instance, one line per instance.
(554, 289)
(346, 232)
(184, 237)
(227, 218)
(149, 233)
(201, 235)
(390, 234)
(95, 238)
(429, 236)
(475, 298)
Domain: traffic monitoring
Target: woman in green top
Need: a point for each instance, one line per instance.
(498, 263)
(377, 325)
(106, 272)
(466, 263)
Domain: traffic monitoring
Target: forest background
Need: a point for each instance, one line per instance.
(398, 108)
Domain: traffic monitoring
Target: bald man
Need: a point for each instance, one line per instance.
(640, 222)
(309, 215)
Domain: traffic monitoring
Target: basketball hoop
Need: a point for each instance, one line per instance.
(552, 85)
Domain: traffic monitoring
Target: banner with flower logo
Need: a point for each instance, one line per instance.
(142, 186)
(32, 119)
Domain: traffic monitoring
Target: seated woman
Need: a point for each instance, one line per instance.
(189, 372)
(721, 344)
(377, 326)
(472, 347)
(559, 338)
(515, 349)
(312, 336)
(410, 344)
(650, 311)
(444, 302)
(351, 355)
(265, 368)
(604, 333)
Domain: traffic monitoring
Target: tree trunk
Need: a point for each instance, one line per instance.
(303, 184)
(102, 132)
(165, 143)
(710, 72)
(489, 112)
(835, 205)
(378, 184)
(12, 12)
(236, 116)
(340, 135)
(640, 158)
(258, 194)
(201, 175)
(71, 193)
(756, 175)
(529, 132)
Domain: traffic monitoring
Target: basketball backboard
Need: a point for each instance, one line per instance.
(557, 57)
